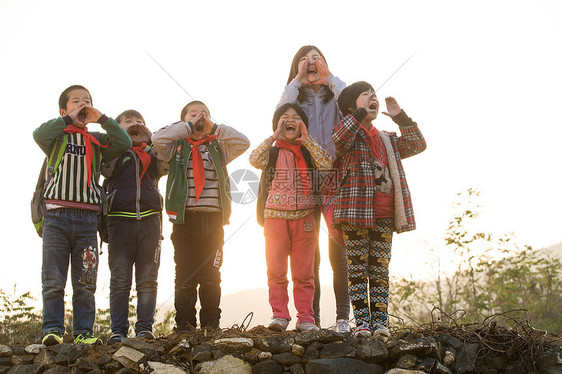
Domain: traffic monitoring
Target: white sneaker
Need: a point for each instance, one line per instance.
(379, 329)
(342, 326)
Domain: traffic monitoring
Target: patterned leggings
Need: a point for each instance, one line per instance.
(368, 257)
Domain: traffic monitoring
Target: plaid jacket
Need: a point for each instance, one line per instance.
(354, 202)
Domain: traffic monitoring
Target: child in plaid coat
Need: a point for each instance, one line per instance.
(373, 199)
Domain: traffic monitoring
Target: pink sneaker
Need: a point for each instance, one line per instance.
(278, 324)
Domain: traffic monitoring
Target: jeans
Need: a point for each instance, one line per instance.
(198, 257)
(137, 243)
(69, 235)
(338, 260)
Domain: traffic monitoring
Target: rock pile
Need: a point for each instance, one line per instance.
(260, 350)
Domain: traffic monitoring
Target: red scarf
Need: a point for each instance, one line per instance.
(301, 162)
(88, 139)
(376, 144)
(198, 167)
(143, 156)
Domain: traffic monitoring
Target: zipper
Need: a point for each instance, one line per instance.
(137, 199)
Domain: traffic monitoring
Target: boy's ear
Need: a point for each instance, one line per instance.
(62, 112)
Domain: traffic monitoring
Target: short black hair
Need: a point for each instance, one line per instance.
(347, 98)
(283, 108)
(128, 114)
(63, 98)
(184, 110)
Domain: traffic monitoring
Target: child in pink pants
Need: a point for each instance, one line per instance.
(286, 201)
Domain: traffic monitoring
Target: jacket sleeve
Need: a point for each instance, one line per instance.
(118, 139)
(259, 158)
(290, 93)
(336, 85)
(232, 142)
(45, 134)
(411, 142)
(320, 157)
(345, 132)
(164, 140)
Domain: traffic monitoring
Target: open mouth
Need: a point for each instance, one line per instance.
(312, 70)
(82, 114)
(133, 130)
(291, 127)
(373, 106)
(199, 125)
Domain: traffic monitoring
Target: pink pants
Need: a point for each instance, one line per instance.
(295, 238)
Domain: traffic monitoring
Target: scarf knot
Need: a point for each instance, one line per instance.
(302, 166)
(144, 157)
(88, 139)
(198, 167)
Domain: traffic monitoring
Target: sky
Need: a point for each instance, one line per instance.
(482, 80)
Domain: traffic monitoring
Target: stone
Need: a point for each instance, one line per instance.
(297, 369)
(449, 358)
(310, 354)
(517, 367)
(267, 367)
(142, 346)
(297, 350)
(128, 357)
(286, 358)
(225, 365)
(35, 348)
(6, 361)
(65, 354)
(123, 371)
(4, 369)
(22, 359)
(44, 357)
(203, 356)
(5, 351)
(104, 359)
(336, 350)
(427, 365)
(252, 356)
(160, 368)
(86, 365)
(27, 369)
(265, 356)
(466, 358)
(218, 354)
(451, 341)
(441, 369)
(342, 366)
(75, 370)
(18, 350)
(180, 348)
(403, 371)
(372, 350)
(552, 370)
(58, 370)
(276, 344)
(322, 336)
(407, 361)
(113, 367)
(418, 347)
(234, 345)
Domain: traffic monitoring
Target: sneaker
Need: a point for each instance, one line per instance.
(362, 331)
(52, 338)
(379, 329)
(278, 324)
(307, 326)
(342, 326)
(116, 337)
(148, 335)
(87, 338)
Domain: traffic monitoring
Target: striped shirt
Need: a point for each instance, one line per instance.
(209, 201)
(69, 185)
